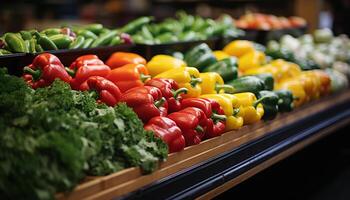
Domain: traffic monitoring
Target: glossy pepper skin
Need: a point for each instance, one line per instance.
(128, 76)
(285, 100)
(187, 77)
(226, 68)
(269, 100)
(247, 84)
(249, 108)
(251, 60)
(119, 59)
(192, 122)
(213, 83)
(230, 106)
(267, 79)
(170, 91)
(161, 63)
(239, 47)
(108, 92)
(167, 130)
(200, 56)
(146, 101)
(84, 67)
(220, 55)
(214, 113)
(44, 70)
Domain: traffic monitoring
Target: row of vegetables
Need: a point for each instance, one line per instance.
(142, 30)
(96, 118)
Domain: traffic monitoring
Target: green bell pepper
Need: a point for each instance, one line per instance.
(246, 84)
(227, 68)
(285, 101)
(267, 79)
(200, 56)
(269, 100)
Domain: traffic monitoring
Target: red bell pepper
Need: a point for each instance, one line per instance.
(83, 68)
(119, 59)
(170, 91)
(44, 70)
(215, 115)
(168, 131)
(192, 122)
(146, 101)
(129, 76)
(107, 91)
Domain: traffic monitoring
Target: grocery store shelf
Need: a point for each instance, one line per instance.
(213, 166)
(232, 167)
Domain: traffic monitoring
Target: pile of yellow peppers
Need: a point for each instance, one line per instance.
(305, 85)
(240, 108)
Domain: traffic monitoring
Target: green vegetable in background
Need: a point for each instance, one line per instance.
(15, 43)
(61, 41)
(135, 25)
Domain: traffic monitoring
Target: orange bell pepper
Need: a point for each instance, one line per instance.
(129, 76)
(119, 59)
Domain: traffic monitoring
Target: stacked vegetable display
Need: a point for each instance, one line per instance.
(96, 118)
(259, 21)
(88, 36)
(320, 50)
(183, 28)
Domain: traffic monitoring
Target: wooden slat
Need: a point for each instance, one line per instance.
(128, 180)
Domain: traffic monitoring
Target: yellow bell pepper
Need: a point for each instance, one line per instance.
(296, 87)
(230, 107)
(251, 60)
(311, 84)
(213, 83)
(286, 69)
(187, 77)
(162, 63)
(325, 81)
(239, 47)
(250, 112)
(219, 55)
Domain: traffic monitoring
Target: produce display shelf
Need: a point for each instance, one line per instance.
(217, 164)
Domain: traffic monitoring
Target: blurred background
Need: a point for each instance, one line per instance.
(16, 15)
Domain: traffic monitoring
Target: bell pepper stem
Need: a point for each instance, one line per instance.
(93, 94)
(227, 88)
(144, 77)
(160, 102)
(235, 112)
(179, 91)
(256, 103)
(217, 117)
(70, 71)
(199, 129)
(194, 81)
(35, 73)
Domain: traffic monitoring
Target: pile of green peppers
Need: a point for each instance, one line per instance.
(182, 28)
(33, 41)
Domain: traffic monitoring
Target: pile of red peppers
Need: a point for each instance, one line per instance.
(124, 78)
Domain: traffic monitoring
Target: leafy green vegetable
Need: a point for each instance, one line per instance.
(53, 137)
